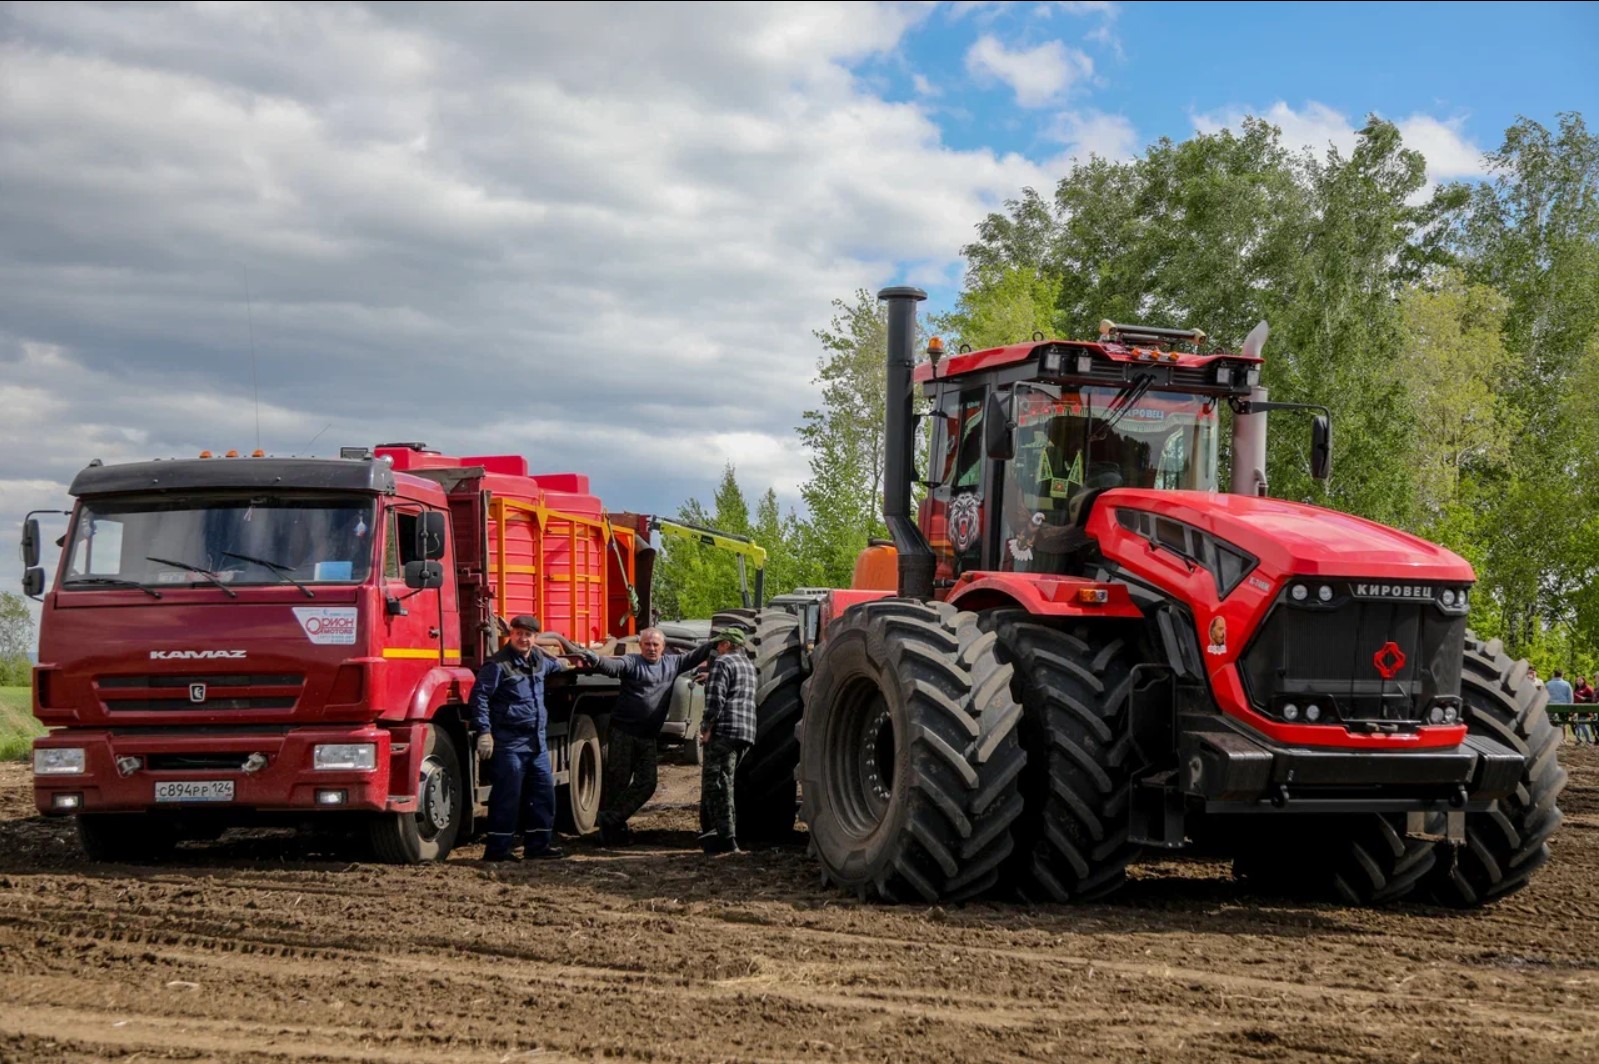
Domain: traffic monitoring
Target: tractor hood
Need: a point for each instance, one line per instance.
(1289, 537)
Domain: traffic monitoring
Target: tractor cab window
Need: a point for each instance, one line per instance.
(1071, 442)
(952, 514)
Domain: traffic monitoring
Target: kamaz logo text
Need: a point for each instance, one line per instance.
(1394, 591)
(196, 655)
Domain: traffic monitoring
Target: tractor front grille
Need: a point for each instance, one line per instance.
(1333, 649)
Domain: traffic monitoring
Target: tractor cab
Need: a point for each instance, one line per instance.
(1024, 438)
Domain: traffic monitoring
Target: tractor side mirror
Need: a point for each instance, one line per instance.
(33, 582)
(430, 535)
(30, 543)
(1321, 447)
(999, 441)
(424, 575)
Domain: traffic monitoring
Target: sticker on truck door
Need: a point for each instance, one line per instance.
(327, 624)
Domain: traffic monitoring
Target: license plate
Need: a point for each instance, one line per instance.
(195, 791)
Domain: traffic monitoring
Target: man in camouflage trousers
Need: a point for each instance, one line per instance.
(727, 732)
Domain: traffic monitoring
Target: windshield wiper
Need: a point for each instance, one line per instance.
(279, 570)
(111, 581)
(208, 574)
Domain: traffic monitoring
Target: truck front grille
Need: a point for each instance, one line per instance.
(202, 692)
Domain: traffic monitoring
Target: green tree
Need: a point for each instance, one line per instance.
(16, 640)
(844, 436)
(1532, 233)
(1004, 305)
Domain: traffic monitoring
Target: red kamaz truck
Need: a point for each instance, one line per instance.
(1081, 649)
(254, 640)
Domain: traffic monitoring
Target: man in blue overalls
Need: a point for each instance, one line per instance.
(508, 708)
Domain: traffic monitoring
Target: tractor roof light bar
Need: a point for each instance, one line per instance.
(1149, 334)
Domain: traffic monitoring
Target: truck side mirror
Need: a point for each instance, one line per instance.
(424, 575)
(33, 581)
(430, 535)
(30, 543)
(1321, 447)
(998, 440)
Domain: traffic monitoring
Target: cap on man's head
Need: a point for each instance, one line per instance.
(729, 635)
(527, 622)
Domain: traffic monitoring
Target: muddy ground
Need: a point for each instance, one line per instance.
(248, 950)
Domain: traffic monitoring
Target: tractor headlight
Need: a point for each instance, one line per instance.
(1290, 711)
(1324, 592)
(1313, 713)
(1435, 715)
(1300, 593)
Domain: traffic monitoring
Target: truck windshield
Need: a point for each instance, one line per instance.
(1072, 441)
(229, 540)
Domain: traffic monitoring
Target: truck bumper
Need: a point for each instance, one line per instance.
(1234, 770)
(284, 781)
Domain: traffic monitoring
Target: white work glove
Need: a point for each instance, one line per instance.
(485, 746)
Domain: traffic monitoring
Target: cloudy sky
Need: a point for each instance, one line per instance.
(599, 234)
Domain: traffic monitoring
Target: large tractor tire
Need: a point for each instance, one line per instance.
(430, 833)
(1506, 844)
(909, 761)
(764, 792)
(744, 619)
(133, 838)
(577, 801)
(1359, 859)
(1072, 839)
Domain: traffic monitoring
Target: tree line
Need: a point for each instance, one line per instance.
(1453, 330)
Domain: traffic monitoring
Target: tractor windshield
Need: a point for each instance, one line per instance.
(1072, 441)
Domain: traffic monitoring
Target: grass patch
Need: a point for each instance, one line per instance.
(17, 725)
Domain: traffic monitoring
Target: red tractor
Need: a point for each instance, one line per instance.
(1082, 650)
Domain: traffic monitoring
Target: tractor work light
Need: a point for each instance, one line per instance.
(1300, 592)
(361, 757)
(1054, 363)
(1324, 592)
(1435, 715)
(58, 761)
(1085, 364)
(1252, 378)
(1313, 713)
(1290, 711)
(1224, 374)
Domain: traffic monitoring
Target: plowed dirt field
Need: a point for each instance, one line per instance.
(249, 950)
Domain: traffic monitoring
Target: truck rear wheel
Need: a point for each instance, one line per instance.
(429, 834)
(909, 761)
(577, 802)
(765, 795)
(127, 837)
(1072, 839)
(1506, 844)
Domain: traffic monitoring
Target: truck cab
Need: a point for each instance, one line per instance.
(235, 641)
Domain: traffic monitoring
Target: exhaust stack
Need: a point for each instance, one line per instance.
(916, 561)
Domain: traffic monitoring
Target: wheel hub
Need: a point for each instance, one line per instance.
(436, 805)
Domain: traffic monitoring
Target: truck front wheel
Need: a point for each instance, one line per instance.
(127, 837)
(429, 834)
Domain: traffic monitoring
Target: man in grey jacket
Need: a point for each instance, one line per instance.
(641, 707)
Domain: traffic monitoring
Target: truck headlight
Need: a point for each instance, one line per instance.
(348, 756)
(58, 761)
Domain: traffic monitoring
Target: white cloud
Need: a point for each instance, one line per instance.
(1038, 75)
(1086, 133)
(1449, 153)
(491, 228)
